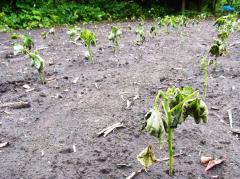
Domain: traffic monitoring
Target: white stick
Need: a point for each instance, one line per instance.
(230, 118)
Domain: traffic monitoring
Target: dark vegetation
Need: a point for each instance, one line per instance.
(28, 14)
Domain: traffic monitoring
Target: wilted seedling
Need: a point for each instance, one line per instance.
(226, 25)
(38, 63)
(36, 60)
(218, 48)
(47, 33)
(177, 104)
(27, 41)
(153, 31)
(115, 36)
(172, 21)
(74, 32)
(140, 34)
(89, 39)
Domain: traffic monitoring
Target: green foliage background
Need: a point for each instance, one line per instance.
(28, 14)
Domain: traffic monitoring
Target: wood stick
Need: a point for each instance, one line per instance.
(15, 105)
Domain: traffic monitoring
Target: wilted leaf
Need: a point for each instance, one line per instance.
(154, 125)
(17, 49)
(205, 160)
(37, 60)
(213, 163)
(147, 157)
(73, 31)
(196, 108)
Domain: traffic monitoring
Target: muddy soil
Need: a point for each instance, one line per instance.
(64, 114)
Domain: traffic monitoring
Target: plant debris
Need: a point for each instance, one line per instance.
(109, 129)
(4, 144)
(15, 105)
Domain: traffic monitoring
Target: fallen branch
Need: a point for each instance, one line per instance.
(15, 105)
(109, 129)
(134, 174)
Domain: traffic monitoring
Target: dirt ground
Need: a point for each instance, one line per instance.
(63, 113)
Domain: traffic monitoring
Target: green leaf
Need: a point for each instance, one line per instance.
(88, 37)
(147, 157)
(27, 42)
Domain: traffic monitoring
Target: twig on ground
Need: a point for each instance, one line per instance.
(15, 105)
(4, 144)
(237, 131)
(109, 129)
(230, 118)
(134, 174)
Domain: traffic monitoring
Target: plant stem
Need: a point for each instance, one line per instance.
(205, 85)
(42, 77)
(170, 146)
(90, 53)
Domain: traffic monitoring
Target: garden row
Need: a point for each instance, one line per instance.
(176, 103)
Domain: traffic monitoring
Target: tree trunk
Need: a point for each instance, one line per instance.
(183, 5)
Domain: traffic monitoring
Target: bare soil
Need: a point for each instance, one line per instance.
(63, 113)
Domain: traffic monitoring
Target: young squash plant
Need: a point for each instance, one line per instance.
(89, 39)
(170, 109)
(115, 36)
(25, 48)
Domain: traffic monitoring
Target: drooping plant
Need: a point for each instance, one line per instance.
(115, 36)
(153, 31)
(172, 21)
(225, 26)
(89, 39)
(170, 109)
(45, 34)
(74, 32)
(25, 49)
(140, 33)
